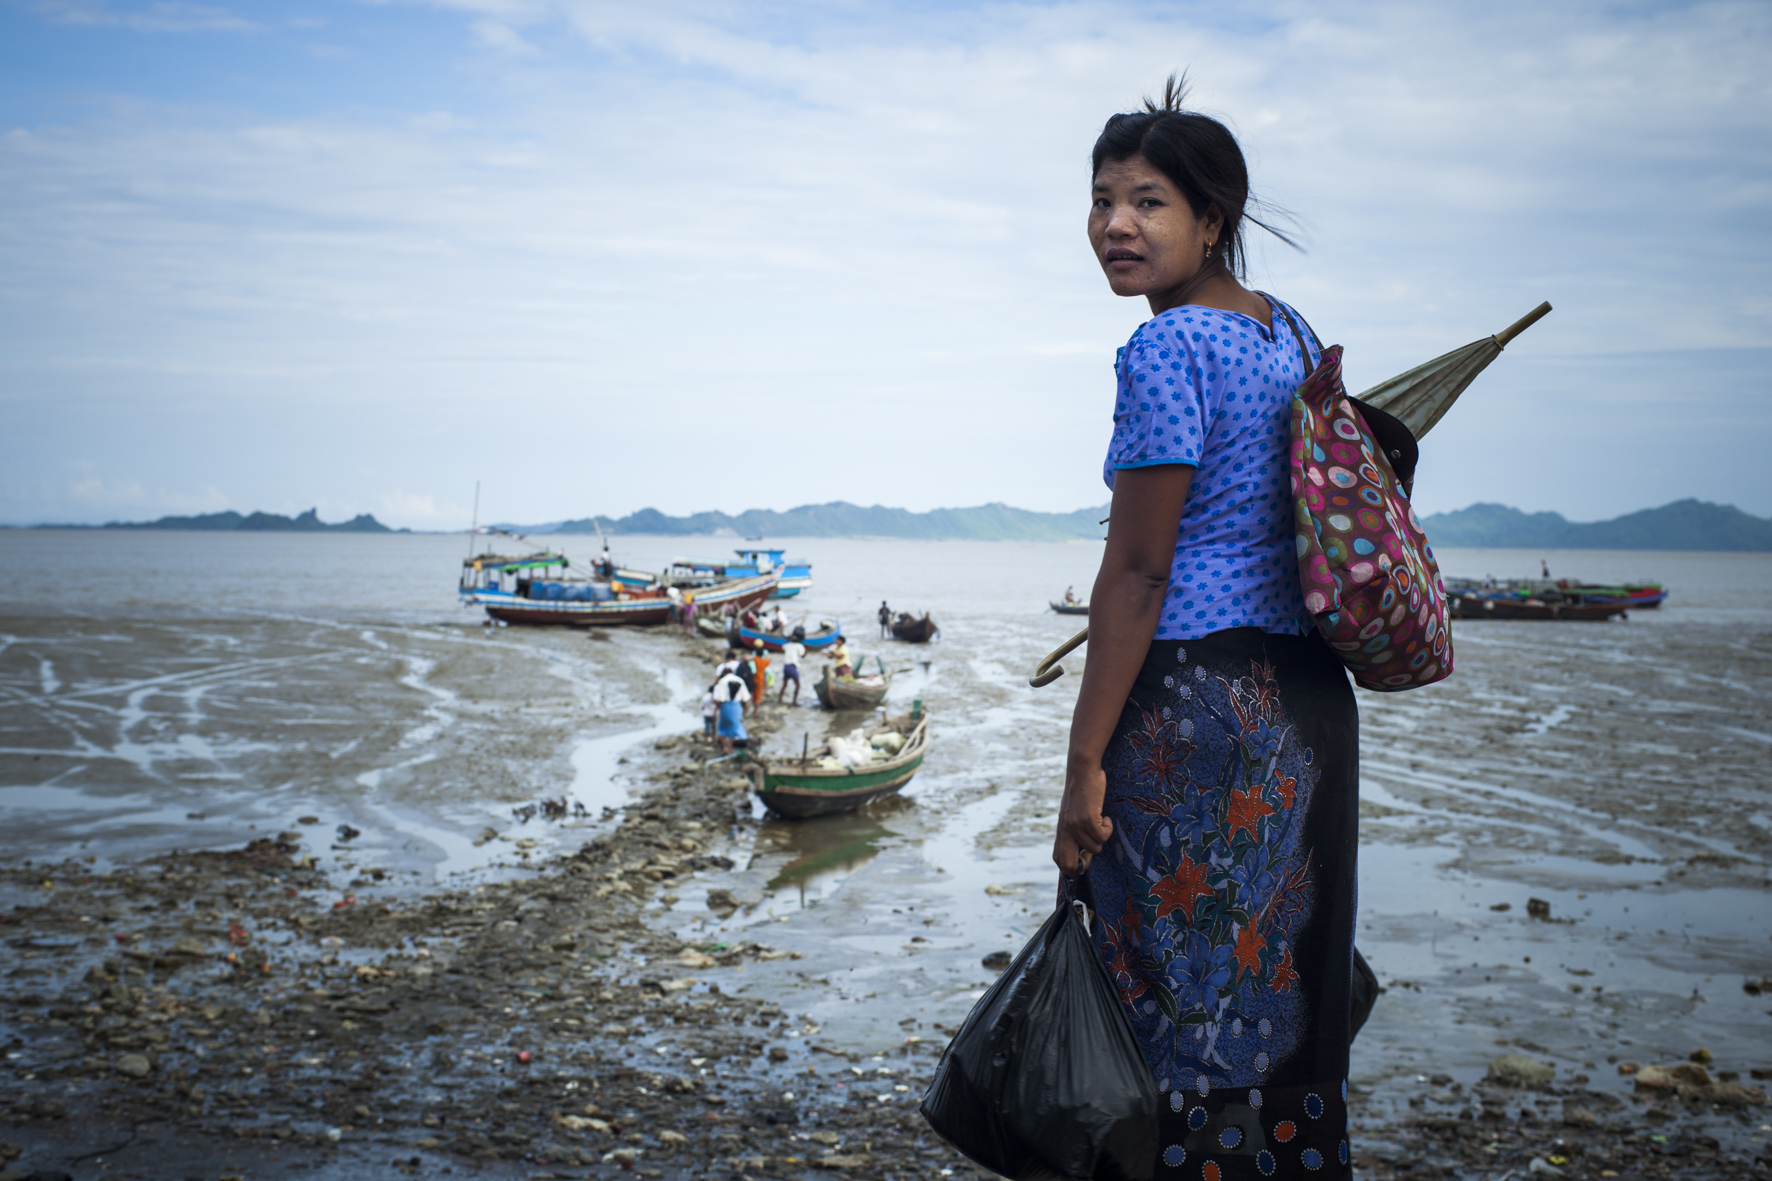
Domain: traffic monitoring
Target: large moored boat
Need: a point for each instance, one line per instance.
(791, 577)
(542, 588)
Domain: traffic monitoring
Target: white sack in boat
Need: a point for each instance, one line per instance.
(852, 752)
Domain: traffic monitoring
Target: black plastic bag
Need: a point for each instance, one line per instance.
(1362, 996)
(1044, 1080)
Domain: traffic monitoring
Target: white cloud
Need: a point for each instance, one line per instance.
(825, 253)
(93, 492)
(421, 511)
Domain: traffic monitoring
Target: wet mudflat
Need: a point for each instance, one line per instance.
(1564, 860)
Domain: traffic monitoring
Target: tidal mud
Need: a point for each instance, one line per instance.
(236, 1013)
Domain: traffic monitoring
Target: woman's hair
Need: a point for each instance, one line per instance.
(1197, 153)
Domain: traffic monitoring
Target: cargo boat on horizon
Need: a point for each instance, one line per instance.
(1544, 598)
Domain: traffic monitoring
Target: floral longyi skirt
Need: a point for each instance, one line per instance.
(1226, 898)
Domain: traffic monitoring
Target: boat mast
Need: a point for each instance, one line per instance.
(475, 527)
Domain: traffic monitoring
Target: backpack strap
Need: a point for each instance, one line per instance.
(1304, 352)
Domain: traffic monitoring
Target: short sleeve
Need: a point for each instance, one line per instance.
(1170, 382)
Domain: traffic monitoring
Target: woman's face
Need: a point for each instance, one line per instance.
(1143, 231)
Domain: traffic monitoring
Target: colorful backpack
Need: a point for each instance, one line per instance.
(1369, 576)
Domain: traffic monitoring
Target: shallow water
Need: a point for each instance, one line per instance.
(195, 690)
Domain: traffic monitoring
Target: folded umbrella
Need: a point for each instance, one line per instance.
(1421, 397)
(1418, 398)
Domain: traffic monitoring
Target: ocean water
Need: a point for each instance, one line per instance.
(195, 690)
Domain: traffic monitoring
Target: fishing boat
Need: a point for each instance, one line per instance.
(791, 577)
(912, 630)
(527, 589)
(1470, 606)
(828, 633)
(1070, 608)
(1544, 598)
(794, 577)
(865, 692)
(1635, 595)
(818, 783)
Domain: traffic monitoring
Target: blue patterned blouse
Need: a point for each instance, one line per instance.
(1213, 389)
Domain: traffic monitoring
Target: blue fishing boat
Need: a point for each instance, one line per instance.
(816, 641)
(791, 577)
(541, 588)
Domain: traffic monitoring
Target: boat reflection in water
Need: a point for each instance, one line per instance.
(819, 856)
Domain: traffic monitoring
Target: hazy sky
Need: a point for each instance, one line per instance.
(602, 256)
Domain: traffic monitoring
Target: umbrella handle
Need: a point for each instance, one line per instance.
(1524, 322)
(1049, 669)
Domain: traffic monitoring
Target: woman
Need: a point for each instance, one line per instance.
(730, 696)
(1210, 801)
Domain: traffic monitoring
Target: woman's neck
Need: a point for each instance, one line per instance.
(1216, 288)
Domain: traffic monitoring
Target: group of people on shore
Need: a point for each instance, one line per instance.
(740, 682)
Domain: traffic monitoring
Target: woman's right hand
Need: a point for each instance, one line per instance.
(1123, 609)
(1082, 829)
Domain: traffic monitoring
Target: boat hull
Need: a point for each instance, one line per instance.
(1476, 607)
(1634, 597)
(915, 631)
(802, 802)
(837, 694)
(794, 579)
(1071, 608)
(746, 637)
(801, 793)
(643, 613)
(635, 612)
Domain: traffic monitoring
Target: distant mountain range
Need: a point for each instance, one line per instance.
(988, 522)
(1682, 525)
(232, 522)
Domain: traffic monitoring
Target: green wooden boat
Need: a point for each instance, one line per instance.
(799, 788)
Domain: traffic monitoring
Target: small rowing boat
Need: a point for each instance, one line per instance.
(844, 774)
(749, 637)
(836, 692)
(1070, 608)
(912, 630)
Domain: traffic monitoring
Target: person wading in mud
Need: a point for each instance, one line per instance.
(793, 652)
(1211, 785)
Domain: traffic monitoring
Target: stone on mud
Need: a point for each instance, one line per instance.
(1517, 1070)
(134, 1065)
